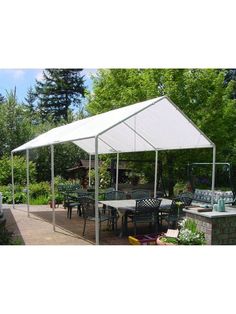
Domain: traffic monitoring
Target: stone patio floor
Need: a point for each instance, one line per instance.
(37, 229)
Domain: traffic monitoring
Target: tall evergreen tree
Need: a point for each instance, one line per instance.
(230, 80)
(15, 124)
(2, 99)
(30, 99)
(59, 90)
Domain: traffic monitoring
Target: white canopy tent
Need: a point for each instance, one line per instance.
(153, 125)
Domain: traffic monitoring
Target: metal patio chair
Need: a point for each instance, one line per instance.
(140, 194)
(88, 212)
(146, 211)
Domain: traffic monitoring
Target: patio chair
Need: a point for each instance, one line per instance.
(186, 198)
(174, 213)
(146, 211)
(140, 194)
(115, 195)
(73, 200)
(88, 212)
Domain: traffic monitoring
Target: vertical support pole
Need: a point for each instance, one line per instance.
(117, 171)
(12, 180)
(89, 183)
(96, 192)
(213, 175)
(155, 179)
(52, 187)
(27, 180)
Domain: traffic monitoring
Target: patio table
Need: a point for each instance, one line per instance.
(122, 206)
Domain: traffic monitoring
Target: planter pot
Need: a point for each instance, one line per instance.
(160, 241)
(50, 203)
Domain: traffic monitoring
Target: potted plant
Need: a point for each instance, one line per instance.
(169, 238)
(58, 200)
(188, 235)
(163, 240)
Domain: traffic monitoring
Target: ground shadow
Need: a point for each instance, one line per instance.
(75, 227)
(12, 226)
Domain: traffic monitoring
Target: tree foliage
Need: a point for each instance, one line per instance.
(15, 124)
(2, 99)
(203, 94)
(59, 90)
(19, 170)
(207, 96)
(30, 99)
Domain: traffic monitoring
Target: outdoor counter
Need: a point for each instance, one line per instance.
(218, 227)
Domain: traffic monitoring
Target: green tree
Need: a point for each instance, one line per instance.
(30, 99)
(66, 156)
(60, 90)
(15, 124)
(201, 93)
(19, 170)
(2, 99)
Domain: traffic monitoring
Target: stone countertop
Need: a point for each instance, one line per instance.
(229, 211)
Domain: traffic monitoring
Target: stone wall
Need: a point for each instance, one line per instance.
(217, 230)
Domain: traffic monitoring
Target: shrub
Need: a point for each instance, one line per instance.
(189, 234)
(104, 176)
(7, 237)
(6, 191)
(19, 170)
(39, 189)
(40, 200)
(59, 180)
(180, 187)
(20, 198)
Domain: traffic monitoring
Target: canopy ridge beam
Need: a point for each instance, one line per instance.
(142, 137)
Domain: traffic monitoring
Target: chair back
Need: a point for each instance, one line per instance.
(186, 198)
(88, 206)
(111, 189)
(68, 188)
(115, 195)
(140, 194)
(147, 209)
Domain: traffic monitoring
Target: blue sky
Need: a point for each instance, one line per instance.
(22, 79)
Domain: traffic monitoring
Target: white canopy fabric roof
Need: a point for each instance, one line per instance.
(155, 124)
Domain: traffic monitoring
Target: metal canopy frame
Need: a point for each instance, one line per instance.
(96, 150)
(228, 164)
